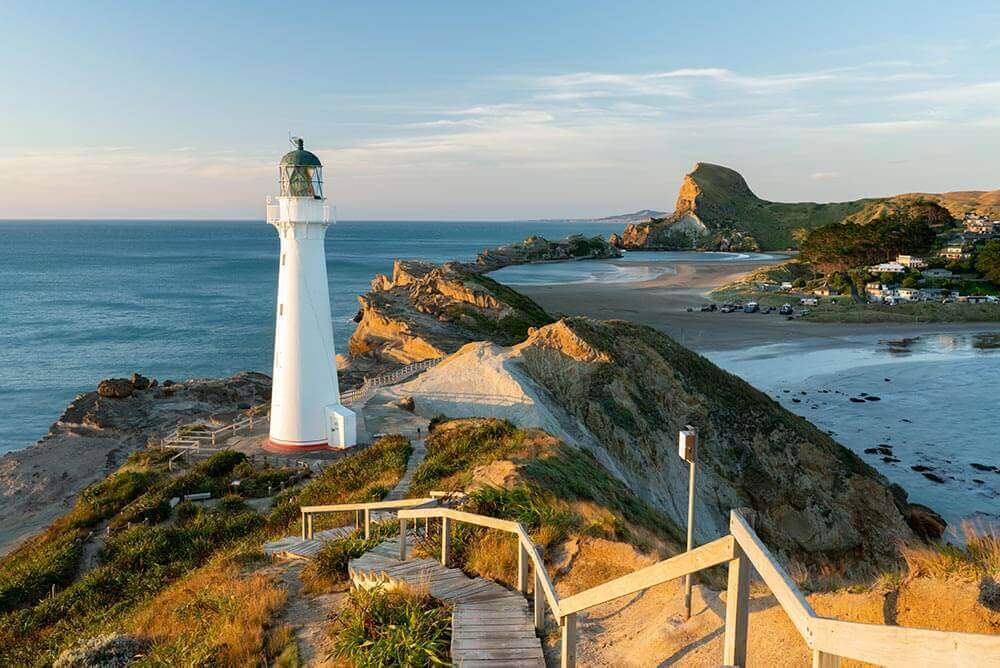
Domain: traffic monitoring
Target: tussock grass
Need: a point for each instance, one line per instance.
(328, 567)
(215, 616)
(366, 476)
(454, 448)
(977, 559)
(402, 627)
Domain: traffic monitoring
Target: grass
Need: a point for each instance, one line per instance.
(366, 476)
(452, 453)
(329, 566)
(216, 616)
(978, 558)
(403, 627)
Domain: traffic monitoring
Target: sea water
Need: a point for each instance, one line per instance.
(86, 300)
(924, 409)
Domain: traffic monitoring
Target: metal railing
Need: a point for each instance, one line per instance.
(361, 395)
(829, 639)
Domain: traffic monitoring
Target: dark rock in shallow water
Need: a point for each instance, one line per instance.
(872, 397)
(888, 380)
(796, 401)
(880, 450)
(890, 460)
(857, 401)
(925, 522)
(983, 467)
(920, 468)
(933, 477)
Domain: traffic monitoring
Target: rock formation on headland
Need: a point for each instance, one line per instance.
(716, 210)
(425, 311)
(623, 391)
(97, 431)
(540, 249)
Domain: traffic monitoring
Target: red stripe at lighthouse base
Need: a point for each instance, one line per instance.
(286, 447)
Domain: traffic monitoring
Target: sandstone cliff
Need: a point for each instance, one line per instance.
(425, 311)
(623, 391)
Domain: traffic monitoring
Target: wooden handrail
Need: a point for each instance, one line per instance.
(524, 542)
(711, 554)
(828, 638)
(773, 575)
(368, 505)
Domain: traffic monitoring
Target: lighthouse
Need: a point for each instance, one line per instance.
(305, 396)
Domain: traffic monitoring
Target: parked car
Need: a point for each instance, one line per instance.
(786, 309)
(750, 307)
(727, 308)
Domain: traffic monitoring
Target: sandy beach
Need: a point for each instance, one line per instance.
(662, 302)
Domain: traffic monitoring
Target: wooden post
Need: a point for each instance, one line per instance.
(309, 524)
(303, 526)
(368, 523)
(688, 449)
(824, 660)
(445, 540)
(402, 539)
(539, 603)
(522, 568)
(357, 520)
(568, 655)
(737, 610)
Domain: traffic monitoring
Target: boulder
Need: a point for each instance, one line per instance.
(140, 382)
(115, 388)
(925, 522)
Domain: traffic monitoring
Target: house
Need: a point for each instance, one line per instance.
(826, 292)
(911, 261)
(786, 285)
(976, 299)
(937, 273)
(877, 292)
(954, 252)
(888, 267)
(911, 294)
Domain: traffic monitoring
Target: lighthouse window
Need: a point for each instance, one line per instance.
(282, 259)
(281, 309)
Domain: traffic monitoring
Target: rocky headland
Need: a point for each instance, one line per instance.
(717, 210)
(95, 434)
(540, 249)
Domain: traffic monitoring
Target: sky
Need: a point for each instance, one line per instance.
(471, 110)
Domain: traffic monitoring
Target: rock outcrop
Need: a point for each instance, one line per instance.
(540, 249)
(97, 431)
(623, 391)
(426, 311)
(717, 210)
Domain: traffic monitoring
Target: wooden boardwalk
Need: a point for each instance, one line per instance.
(295, 547)
(491, 625)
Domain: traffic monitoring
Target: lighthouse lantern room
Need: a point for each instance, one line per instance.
(306, 413)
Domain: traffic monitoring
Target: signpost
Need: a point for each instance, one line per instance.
(687, 448)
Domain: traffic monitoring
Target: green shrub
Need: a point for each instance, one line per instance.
(397, 628)
(451, 451)
(29, 573)
(103, 499)
(221, 463)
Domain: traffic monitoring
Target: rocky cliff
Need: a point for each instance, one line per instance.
(623, 391)
(425, 311)
(717, 210)
(540, 249)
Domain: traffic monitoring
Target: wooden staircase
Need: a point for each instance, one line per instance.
(491, 625)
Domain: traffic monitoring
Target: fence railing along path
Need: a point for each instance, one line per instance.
(829, 639)
(197, 438)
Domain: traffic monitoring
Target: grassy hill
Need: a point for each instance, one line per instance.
(720, 200)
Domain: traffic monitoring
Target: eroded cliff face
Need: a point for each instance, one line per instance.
(634, 388)
(425, 311)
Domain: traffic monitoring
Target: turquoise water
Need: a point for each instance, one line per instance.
(85, 300)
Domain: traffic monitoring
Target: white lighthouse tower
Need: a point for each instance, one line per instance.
(305, 396)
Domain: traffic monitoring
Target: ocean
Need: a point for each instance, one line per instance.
(86, 300)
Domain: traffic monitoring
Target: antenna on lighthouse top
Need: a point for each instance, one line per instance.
(295, 140)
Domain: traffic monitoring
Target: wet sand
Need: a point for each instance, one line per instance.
(663, 302)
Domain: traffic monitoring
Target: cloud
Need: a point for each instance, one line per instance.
(824, 176)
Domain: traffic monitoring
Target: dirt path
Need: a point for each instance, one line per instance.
(308, 614)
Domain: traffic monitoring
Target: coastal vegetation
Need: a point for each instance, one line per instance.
(178, 576)
(402, 627)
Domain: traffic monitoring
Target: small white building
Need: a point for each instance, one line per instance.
(888, 267)
(954, 253)
(911, 261)
(786, 285)
(877, 292)
(910, 294)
